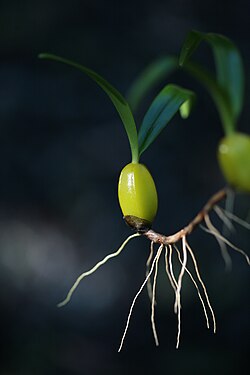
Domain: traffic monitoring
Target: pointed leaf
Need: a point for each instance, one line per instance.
(148, 78)
(218, 95)
(191, 43)
(229, 66)
(117, 99)
(161, 111)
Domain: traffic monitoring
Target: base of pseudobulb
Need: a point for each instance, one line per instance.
(137, 224)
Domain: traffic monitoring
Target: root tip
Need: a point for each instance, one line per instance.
(61, 304)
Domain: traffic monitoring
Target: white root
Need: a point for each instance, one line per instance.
(236, 219)
(212, 230)
(137, 294)
(168, 262)
(229, 206)
(178, 290)
(171, 268)
(196, 286)
(202, 284)
(225, 254)
(224, 218)
(153, 303)
(92, 270)
(223, 248)
(149, 285)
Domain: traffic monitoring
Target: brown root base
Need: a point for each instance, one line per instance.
(172, 239)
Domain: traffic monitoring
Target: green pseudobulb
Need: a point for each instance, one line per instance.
(137, 196)
(234, 160)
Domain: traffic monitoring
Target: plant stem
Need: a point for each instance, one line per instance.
(134, 153)
(172, 239)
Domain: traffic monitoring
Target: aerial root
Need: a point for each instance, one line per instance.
(153, 298)
(149, 260)
(225, 254)
(224, 218)
(212, 230)
(235, 218)
(177, 284)
(223, 248)
(156, 259)
(169, 267)
(202, 284)
(229, 206)
(196, 286)
(178, 290)
(92, 270)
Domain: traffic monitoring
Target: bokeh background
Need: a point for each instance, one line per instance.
(62, 148)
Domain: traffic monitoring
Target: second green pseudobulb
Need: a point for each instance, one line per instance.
(234, 160)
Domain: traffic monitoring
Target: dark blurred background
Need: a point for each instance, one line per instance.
(62, 148)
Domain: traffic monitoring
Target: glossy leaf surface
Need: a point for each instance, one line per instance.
(217, 93)
(161, 111)
(229, 66)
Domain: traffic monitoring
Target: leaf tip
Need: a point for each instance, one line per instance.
(187, 107)
(181, 61)
(42, 55)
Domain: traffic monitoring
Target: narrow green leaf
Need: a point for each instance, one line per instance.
(148, 78)
(229, 69)
(190, 45)
(217, 93)
(163, 108)
(117, 99)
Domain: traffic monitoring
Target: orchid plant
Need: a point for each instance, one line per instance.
(137, 193)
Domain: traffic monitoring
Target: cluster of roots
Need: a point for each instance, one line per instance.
(176, 283)
(176, 243)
